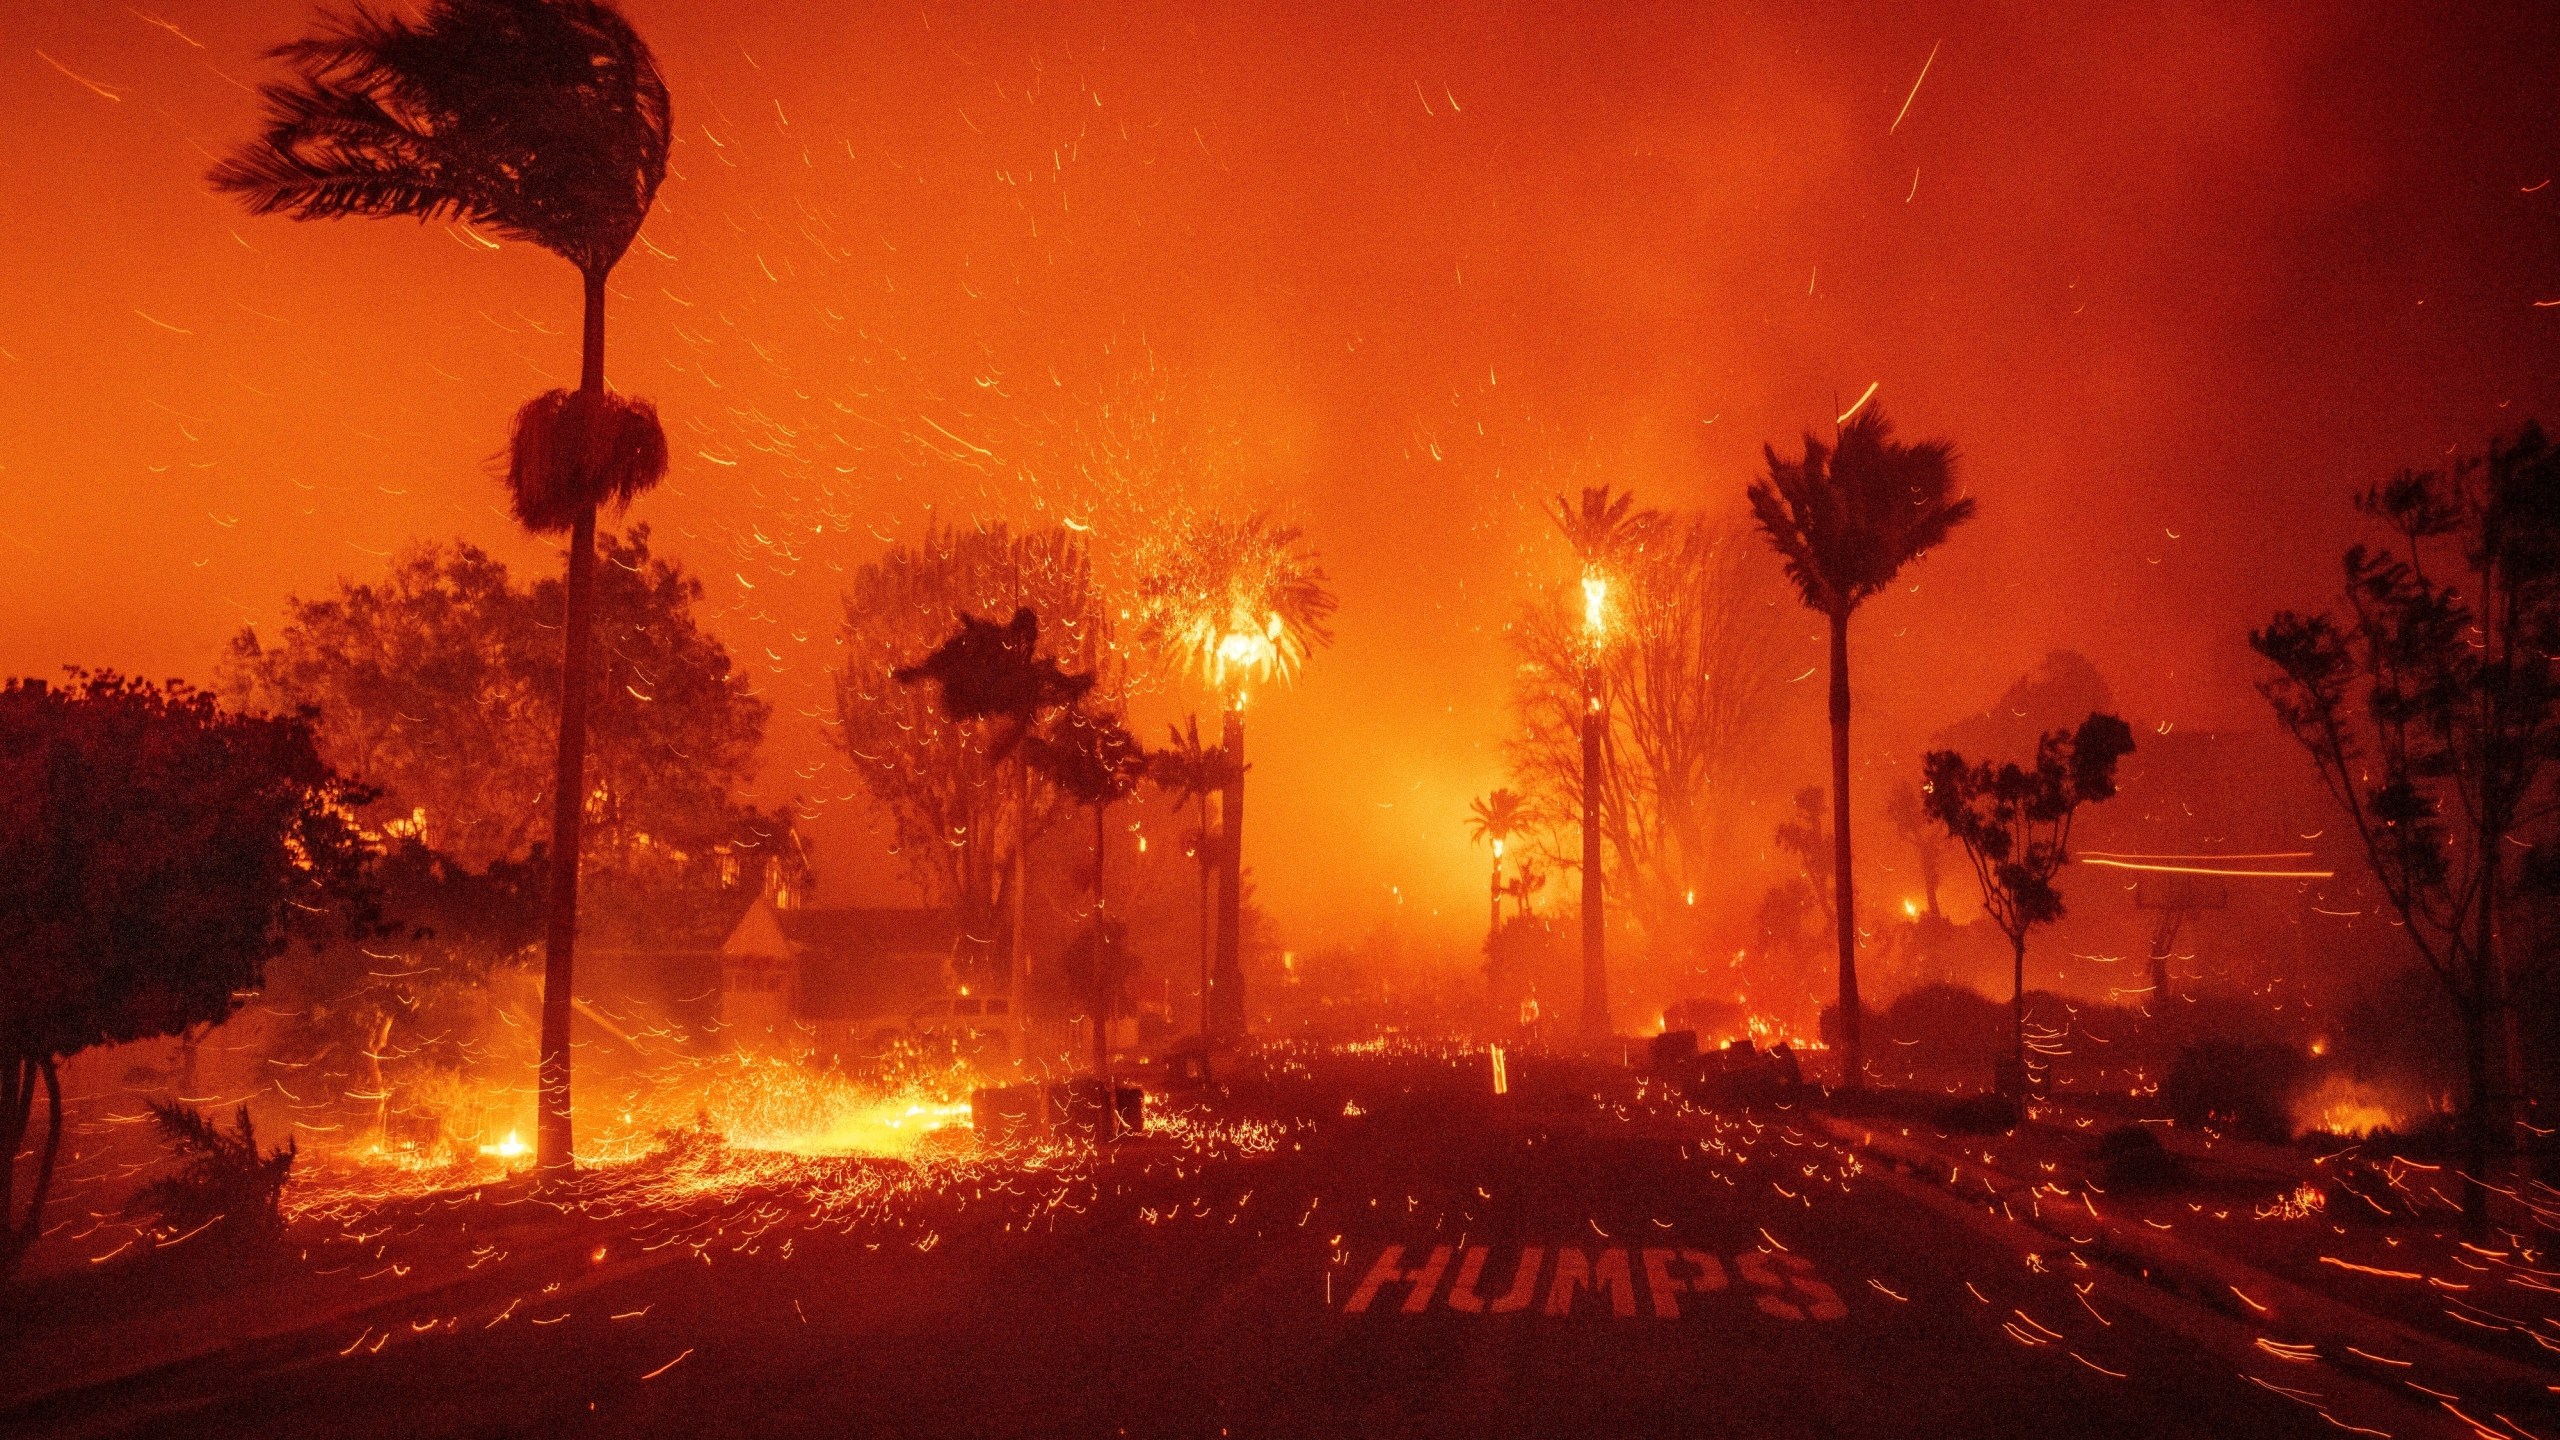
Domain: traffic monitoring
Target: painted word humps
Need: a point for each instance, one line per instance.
(1780, 1284)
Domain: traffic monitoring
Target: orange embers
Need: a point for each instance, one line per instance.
(1780, 1284)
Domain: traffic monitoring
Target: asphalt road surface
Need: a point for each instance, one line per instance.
(1565, 1261)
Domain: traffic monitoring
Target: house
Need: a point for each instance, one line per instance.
(840, 981)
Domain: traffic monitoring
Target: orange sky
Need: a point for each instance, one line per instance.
(2172, 284)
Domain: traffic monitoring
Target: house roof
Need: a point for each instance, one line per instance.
(854, 963)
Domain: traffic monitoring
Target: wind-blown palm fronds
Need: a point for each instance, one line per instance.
(1847, 518)
(544, 120)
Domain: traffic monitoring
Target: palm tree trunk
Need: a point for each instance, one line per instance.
(1595, 961)
(1228, 983)
(1206, 858)
(1019, 950)
(569, 793)
(1844, 891)
(1493, 896)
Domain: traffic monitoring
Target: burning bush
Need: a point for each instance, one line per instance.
(227, 1184)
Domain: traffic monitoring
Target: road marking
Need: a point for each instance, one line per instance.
(1781, 1285)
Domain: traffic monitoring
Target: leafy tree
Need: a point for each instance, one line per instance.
(547, 121)
(1804, 836)
(156, 851)
(1846, 518)
(2014, 823)
(438, 685)
(2431, 711)
(380, 1019)
(1233, 602)
(940, 781)
(1690, 677)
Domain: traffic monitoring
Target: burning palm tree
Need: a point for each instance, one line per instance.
(1235, 603)
(1493, 819)
(1603, 531)
(1846, 518)
(547, 122)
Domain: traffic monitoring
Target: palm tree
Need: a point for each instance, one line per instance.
(1194, 772)
(1524, 887)
(545, 121)
(1234, 602)
(1494, 819)
(1846, 518)
(992, 672)
(1603, 530)
(1093, 759)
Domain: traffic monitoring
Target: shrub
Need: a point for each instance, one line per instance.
(226, 1184)
(2248, 1086)
(2130, 1157)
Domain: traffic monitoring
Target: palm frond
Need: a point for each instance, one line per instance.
(543, 120)
(1846, 518)
(1233, 600)
(571, 452)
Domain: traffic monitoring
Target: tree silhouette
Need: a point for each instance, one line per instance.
(1092, 757)
(995, 674)
(2432, 713)
(156, 851)
(1691, 682)
(987, 671)
(2014, 823)
(1603, 530)
(1846, 518)
(1492, 820)
(957, 810)
(547, 121)
(439, 685)
(1234, 603)
(1193, 772)
(1806, 837)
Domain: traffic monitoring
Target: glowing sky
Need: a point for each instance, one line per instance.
(2173, 281)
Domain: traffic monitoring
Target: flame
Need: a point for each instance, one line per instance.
(2349, 1108)
(1595, 604)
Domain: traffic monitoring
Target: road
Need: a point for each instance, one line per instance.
(1177, 1292)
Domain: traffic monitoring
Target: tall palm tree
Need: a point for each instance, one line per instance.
(1194, 772)
(1236, 603)
(1846, 518)
(1493, 819)
(1603, 531)
(547, 122)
